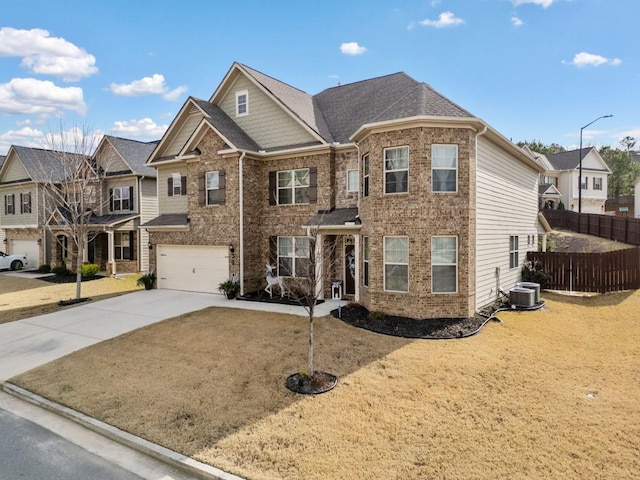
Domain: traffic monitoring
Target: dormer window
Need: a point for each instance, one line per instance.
(242, 103)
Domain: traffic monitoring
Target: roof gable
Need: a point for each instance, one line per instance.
(40, 165)
(570, 160)
(132, 154)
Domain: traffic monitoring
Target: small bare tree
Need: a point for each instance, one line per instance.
(73, 189)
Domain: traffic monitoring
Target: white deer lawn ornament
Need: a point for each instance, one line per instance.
(273, 280)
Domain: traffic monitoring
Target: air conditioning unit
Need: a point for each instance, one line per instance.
(531, 286)
(522, 297)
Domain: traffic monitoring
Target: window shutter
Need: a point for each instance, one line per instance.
(202, 191)
(131, 198)
(111, 199)
(6, 207)
(132, 246)
(273, 251)
(29, 202)
(183, 185)
(170, 186)
(222, 191)
(21, 206)
(313, 185)
(273, 190)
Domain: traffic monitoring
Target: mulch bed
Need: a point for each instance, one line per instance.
(431, 328)
(262, 296)
(319, 382)
(67, 278)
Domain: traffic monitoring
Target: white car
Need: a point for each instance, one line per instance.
(14, 262)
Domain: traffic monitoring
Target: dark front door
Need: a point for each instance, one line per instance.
(91, 251)
(349, 268)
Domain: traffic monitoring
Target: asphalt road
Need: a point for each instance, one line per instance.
(29, 451)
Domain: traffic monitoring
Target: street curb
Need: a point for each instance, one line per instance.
(174, 459)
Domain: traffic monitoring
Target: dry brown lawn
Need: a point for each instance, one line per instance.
(552, 394)
(27, 297)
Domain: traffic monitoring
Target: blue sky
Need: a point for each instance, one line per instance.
(532, 69)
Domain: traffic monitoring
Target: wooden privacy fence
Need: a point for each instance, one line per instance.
(620, 229)
(590, 272)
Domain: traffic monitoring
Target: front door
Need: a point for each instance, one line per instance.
(349, 266)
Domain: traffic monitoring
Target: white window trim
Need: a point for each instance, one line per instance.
(599, 183)
(293, 187)
(294, 257)
(516, 251)
(445, 264)
(366, 175)
(207, 189)
(385, 171)
(119, 200)
(246, 103)
(384, 263)
(357, 182)
(443, 192)
(177, 184)
(366, 260)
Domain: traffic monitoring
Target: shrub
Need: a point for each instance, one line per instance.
(352, 306)
(561, 205)
(60, 270)
(533, 272)
(89, 269)
(44, 268)
(147, 280)
(377, 316)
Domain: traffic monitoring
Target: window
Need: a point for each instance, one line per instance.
(585, 183)
(597, 183)
(365, 261)
(551, 181)
(352, 180)
(242, 103)
(514, 261)
(122, 243)
(293, 257)
(444, 264)
(444, 168)
(396, 170)
(9, 204)
(176, 185)
(25, 202)
(365, 175)
(293, 186)
(213, 188)
(396, 264)
(121, 199)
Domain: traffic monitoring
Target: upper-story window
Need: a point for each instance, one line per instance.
(597, 183)
(176, 185)
(551, 181)
(585, 183)
(444, 168)
(365, 175)
(121, 199)
(9, 204)
(396, 170)
(212, 188)
(291, 187)
(242, 103)
(352, 180)
(25, 202)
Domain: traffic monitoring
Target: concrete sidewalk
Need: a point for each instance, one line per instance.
(32, 342)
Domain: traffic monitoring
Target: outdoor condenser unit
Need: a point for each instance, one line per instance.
(531, 286)
(522, 297)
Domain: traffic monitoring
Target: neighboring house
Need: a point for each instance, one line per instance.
(25, 207)
(432, 209)
(562, 171)
(2, 234)
(128, 198)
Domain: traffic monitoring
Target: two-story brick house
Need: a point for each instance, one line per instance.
(432, 209)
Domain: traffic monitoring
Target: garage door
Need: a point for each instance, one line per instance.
(30, 248)
(191, 268)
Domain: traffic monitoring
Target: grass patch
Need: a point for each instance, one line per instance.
(547, 394)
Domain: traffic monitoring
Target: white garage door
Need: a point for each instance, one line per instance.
(30, 248)
(192, 268)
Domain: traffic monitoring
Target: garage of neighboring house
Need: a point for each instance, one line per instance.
(30, 248)
(192, 268)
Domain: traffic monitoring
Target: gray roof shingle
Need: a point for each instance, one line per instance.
(168, 220)
(569, 160)
(44, 165)
(338, 216)
(226, 126)
(134, 153)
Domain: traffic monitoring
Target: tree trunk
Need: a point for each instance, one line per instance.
(79, 269)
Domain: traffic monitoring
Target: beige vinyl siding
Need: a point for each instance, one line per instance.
(110, 161)
(15, 171)
(267, 122)
(148, 211)
(19, 219)
(507, 204)
(166, 203)
(178, 141)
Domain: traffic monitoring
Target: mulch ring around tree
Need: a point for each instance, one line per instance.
(67, 278)
(287, 299)
(319, 382)
(432, 328)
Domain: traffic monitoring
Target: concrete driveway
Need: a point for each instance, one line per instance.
(32, 342)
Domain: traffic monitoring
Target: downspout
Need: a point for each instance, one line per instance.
(241, 206)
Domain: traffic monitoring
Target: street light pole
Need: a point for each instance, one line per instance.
(580, 164)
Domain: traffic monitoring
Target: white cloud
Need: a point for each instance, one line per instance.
(516, 21)
(634, 132)
(26, 137)
(584, 59)
(446, 19)
(143, 128)
(542, 3)
(352, 48)
(154, 85)
(47, 55)
(39, 97)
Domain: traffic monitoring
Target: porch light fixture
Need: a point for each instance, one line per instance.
(232, 249)
(580, 165)
(150, 245)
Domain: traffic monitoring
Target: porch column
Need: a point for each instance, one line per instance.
(356, 252)
(319, 271)
(111, 251)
